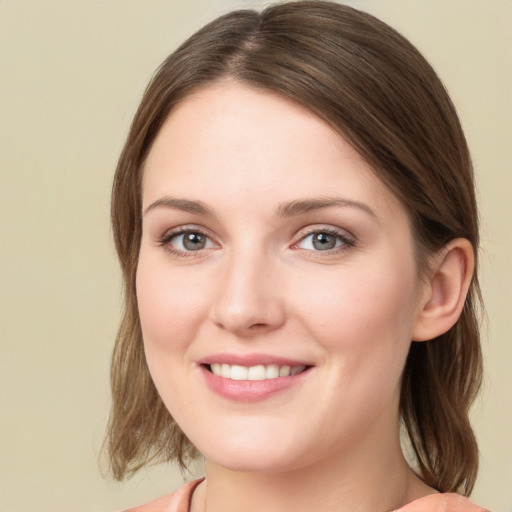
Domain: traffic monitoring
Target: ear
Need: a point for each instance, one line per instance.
(445, 291)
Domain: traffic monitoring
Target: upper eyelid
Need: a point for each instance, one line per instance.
(319, 228)
(178, 230)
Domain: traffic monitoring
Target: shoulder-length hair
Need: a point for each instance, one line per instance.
(370, 84)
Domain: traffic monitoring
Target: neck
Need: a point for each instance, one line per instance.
(372, 478)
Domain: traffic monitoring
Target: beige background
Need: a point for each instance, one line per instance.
(71, 75)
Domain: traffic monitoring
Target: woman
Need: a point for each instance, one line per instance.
(295, 218)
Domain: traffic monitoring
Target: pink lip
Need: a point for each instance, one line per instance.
(250, 390)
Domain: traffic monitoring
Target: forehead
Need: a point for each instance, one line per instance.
(228, 140)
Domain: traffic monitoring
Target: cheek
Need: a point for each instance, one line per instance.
(364, 314)
(169, 304)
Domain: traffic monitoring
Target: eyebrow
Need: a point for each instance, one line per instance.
(289, 209)
(175, 203)
(301, 206)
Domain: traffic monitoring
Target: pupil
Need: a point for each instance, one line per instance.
(324, 241)
(194, 241)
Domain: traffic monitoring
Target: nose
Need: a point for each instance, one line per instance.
(249, 300)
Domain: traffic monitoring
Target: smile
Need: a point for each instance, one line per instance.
(252, 377)
(257, 372)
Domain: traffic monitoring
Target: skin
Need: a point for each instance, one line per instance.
(260, 285)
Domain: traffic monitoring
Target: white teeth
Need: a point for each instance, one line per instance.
(226, 371)
(284, 371)
(238, 372)
(272, 371)
(258, 372)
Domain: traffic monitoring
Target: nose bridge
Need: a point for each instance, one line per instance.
(248, 300)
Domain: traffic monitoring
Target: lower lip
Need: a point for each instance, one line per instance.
(250, 390)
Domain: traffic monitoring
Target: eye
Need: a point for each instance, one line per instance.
(190, 241)
(324, 240)
(186, 241)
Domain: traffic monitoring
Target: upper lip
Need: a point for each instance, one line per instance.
(251, 360)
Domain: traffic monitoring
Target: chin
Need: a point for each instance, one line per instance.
(255, 463)
(250, 455)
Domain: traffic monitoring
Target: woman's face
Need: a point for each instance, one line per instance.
(276, 284)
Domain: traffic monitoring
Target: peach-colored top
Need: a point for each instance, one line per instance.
(179, 501)
(449, 502)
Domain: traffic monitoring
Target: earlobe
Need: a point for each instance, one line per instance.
(446, 290)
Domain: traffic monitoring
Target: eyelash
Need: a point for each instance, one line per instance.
(166, 239)
(346, 240)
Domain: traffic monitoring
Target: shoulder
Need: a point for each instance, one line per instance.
(178, 501)
(448, 502)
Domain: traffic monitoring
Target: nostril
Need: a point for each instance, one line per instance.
(256, 326)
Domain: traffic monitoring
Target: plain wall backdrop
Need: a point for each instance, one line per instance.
(71, 76)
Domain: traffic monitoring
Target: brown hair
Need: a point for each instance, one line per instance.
(383, 97)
